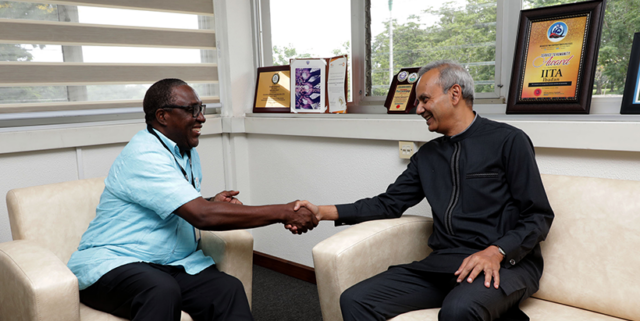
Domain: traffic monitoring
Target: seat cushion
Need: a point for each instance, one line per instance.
(420, 315)
(537, 310)
(549, 311)
(89, 314)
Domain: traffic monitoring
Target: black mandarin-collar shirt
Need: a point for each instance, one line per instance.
(484, 188)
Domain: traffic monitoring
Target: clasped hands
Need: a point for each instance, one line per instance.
(306, 217)
(298, 216)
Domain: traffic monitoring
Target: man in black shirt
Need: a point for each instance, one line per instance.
(489, 208)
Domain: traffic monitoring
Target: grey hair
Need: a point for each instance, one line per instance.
(452, 73)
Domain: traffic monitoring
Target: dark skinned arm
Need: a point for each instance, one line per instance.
(221, 216)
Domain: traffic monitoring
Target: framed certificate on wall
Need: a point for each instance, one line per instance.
(555, 59)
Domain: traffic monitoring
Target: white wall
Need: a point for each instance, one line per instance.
(324, 171)
(590, 163)
(32, 168)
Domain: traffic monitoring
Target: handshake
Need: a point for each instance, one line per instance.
(298, 216)
(301, 216)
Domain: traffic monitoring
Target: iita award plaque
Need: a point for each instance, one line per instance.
(402, 93)
(555, 59)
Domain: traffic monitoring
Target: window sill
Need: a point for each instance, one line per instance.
(604, 129)
(34, 138)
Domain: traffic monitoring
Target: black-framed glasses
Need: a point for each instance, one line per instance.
(195, 110)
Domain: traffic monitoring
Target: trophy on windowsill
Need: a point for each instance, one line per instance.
(402, 93)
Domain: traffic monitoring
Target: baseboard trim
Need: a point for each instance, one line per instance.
(292, 269)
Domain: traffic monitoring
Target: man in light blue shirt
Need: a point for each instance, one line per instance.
(138, 259)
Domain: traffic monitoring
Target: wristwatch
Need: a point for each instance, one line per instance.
(502, 251)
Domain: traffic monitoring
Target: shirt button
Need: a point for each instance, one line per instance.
(512, 262)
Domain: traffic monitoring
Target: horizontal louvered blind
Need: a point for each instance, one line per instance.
(199, 7)
(75, 55)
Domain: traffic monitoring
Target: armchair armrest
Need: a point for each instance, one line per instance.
(233, 253)
(363, 251)
(36, 285)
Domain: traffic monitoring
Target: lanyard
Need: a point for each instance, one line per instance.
(196, 232)
(150, 129)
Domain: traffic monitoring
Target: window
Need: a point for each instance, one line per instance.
(480, 34)
(73, 58)
(321, 29)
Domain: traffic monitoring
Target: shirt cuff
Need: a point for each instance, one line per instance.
(346, 214)
(508, 260)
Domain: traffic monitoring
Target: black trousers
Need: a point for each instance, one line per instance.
(146, 291)
(399, 290)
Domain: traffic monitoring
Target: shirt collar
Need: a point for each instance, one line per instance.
(473, 121)
(468, 131)
(172, 145)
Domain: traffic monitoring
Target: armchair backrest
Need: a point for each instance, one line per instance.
(591, 252)
(56, 215)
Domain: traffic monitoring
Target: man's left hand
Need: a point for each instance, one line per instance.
(227, 196)
(487, 261)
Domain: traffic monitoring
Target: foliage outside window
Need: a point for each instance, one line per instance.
(464, 31)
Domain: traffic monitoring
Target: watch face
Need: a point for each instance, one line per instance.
(276, 78)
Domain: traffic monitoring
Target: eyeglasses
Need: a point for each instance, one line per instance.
(195, 110)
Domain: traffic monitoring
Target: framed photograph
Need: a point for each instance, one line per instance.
(273, 90)
(309, 85)
(631, 97)
(555, 59)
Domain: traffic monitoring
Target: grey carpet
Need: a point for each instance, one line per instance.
(278, 297)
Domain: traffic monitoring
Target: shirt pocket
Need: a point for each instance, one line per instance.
(482, 193)
(483, 175)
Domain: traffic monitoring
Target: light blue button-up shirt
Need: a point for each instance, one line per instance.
(135, 221)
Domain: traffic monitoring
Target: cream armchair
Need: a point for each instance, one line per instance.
(364, 250)
(590, 254)
(47, 223)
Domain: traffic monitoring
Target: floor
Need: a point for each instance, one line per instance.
(278, 297)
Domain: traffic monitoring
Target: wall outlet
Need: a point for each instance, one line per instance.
(407, 149)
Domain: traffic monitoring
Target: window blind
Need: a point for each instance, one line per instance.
(102, 54)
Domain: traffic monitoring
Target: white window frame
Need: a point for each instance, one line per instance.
(508, 13)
